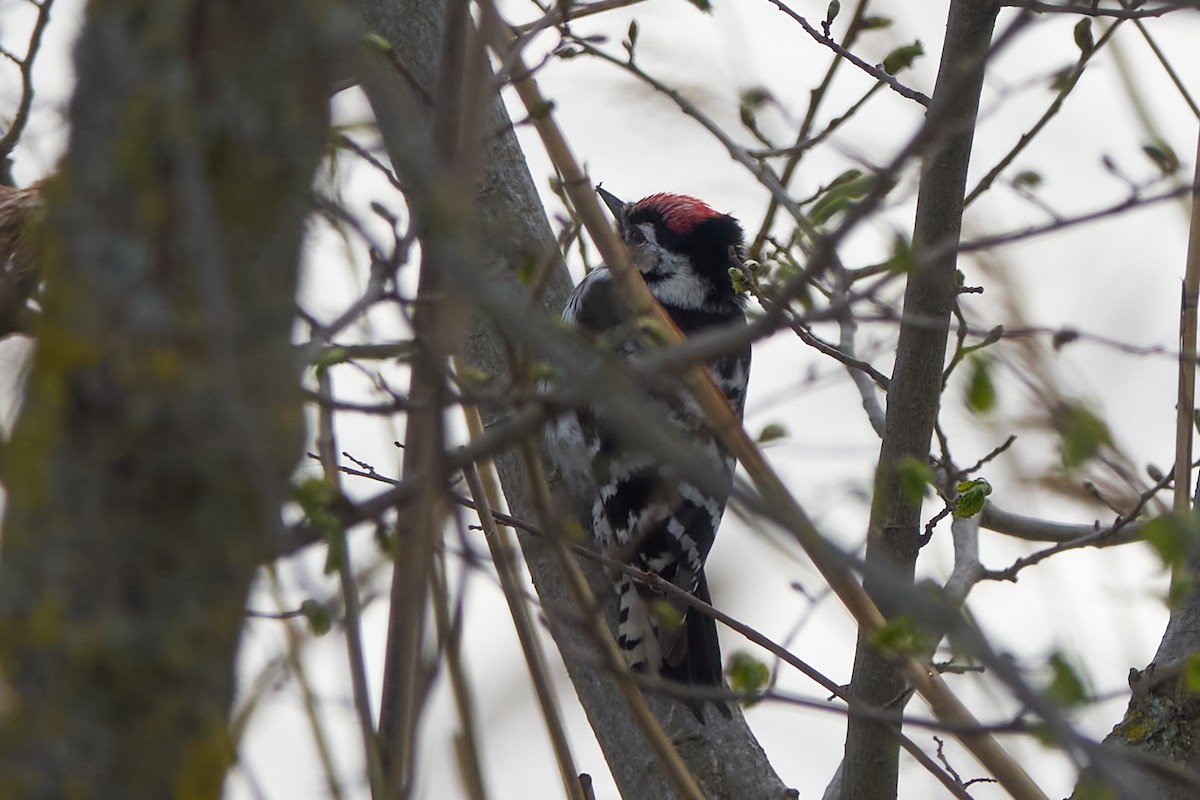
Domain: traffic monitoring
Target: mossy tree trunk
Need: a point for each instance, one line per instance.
(162, 419)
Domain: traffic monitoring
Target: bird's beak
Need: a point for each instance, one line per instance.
(614, 203)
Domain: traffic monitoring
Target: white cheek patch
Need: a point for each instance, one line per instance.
(668, 274)
(675, 284)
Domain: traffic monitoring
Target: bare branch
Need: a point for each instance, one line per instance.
(876, 72)
(1093, 9)
(25, 65)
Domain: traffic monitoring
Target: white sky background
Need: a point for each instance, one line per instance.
(1119, 278)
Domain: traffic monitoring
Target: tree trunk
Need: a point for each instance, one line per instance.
(162, 419)
(894, 538)
(512, 231)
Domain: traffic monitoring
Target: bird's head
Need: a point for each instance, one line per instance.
(680, 245)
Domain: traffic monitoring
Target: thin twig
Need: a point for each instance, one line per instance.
(761, 172)
(802, 141)
(450, 636)
(345, 141)
(311, 711)
(1090, 8)
(1120, 531)
(1051, 111)
(565, 12)
(1185, 409)
(1135, 201)
(664, 750)
(327, 448)
(485, 497)
(25, 66)
(876, 72)
(1170, 69)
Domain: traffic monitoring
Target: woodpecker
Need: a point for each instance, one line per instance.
(638, 508)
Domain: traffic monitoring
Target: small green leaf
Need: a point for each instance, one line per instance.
(856, 185)
(993, 336)
(834, 8)
(844, 178)
(1169, 536)
(703, 5)
(840, 194)
(971, 496)
(319, 619)
(631, 38)
(1191, 673)
(902, 261)
(654, 332)
(876, 23)
(545, 108)
(526, 271)
(900, 636)
(573, 531)
(915, 477)
(829, 205)
(1027, 179)
(981, 391)
(746, 673)
(738, 279)
(1163, 156)
(668, 616)
(329, 356)
(1067, 687)
(334, 560)
(377, 42)
(385, 540)
(472, 376)
(772, 432)
(316, 496)
(1083, 434)
(1062, 79)
(1083, 36)
(755, 97)
(903, 57)
(1045, 737)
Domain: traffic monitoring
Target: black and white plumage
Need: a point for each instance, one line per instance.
(637, 508)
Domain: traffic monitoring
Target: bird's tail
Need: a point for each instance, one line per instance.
(702, 667)
(694, 658)
(637, 628)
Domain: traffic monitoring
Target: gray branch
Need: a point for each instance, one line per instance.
(513, 229)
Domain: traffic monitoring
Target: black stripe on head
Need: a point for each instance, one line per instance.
(708, 245)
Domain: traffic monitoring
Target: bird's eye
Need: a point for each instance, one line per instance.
(636, 235)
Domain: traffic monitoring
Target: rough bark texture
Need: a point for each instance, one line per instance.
(162, 419)
(513, 230)
(871, 759)
(1163, 716)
